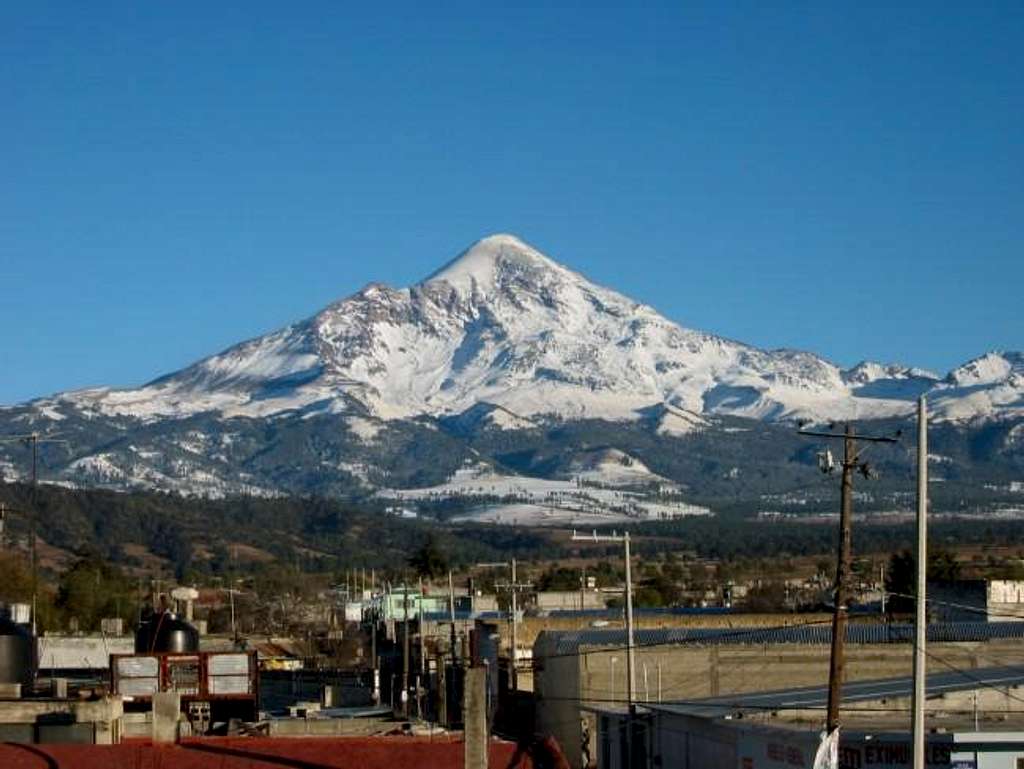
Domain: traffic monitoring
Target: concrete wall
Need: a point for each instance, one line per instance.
(569, 599)
(1006, 600)
(555, 689)
(78, 652)
(103, 714)
(598, 676)
(975, 600)
(686, 742)
(328, 727)
(691, 672)
(531, 626)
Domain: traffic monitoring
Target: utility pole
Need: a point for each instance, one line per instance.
(881, 581)
(630, 662)
(921, 620)
(419, 616)
(33, 440)
(624, 539)
(405, 652)
(851, 461)
(515, 621)
(583, 588)
(451, 611)
(373, 652)
(421, 679)
(514, 589)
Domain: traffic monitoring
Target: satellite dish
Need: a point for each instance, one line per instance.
(184, 594)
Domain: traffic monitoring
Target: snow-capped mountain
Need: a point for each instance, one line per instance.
(504, 326)
(507, 361)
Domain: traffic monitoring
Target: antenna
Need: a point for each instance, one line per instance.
(33, 440)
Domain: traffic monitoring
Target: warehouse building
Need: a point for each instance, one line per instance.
(975, 720)
(575, 672)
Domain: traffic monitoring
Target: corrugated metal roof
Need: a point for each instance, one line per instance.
(464, 616)
(805, 697)
(569, 641)
(660, 611)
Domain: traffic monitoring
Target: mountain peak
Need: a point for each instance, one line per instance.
(482, 264)
(990, 368)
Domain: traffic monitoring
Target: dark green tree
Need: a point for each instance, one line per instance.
(93, 589)
(901, 576)
(559, 578)
(429, 560)
(900, 582)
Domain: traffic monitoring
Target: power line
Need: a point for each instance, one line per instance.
(966, 674)
(964, 606)
(851, 462)
(739, 633)
(770, 707)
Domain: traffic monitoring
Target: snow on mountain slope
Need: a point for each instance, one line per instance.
(502, 498)
(610, 467)
(992, 385)
(504, 325)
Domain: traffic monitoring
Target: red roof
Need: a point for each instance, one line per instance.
(261, 753)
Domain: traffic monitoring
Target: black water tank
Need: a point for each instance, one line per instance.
(17, 654)
(166, 632)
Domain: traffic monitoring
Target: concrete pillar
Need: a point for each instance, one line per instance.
(330, 696)
(106, 716)
(474, 716)
(442, 693)
(166, 711)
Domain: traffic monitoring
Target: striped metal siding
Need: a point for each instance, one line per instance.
(568, 642)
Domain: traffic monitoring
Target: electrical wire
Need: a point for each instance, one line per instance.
(739, 704)
(963, 606)
(711, 640)
(982, 684)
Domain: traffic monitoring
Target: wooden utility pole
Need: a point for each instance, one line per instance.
(851, 461)
(837, 660)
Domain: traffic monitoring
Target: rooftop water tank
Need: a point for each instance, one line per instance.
(17, 654)
(165, 631)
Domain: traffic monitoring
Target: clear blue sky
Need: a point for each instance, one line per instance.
(177, 176)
